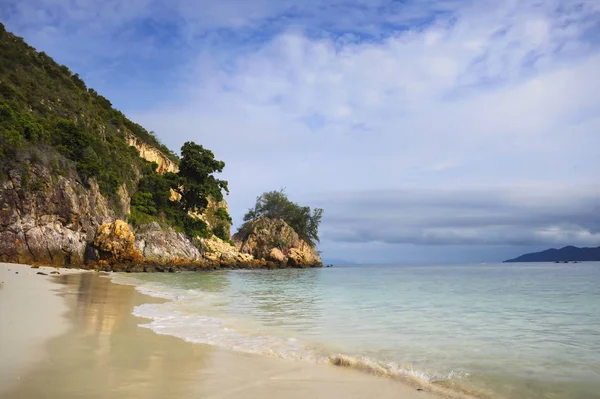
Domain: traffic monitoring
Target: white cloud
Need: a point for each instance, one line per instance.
(464, 93)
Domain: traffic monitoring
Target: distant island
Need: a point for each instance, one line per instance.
(569, 253)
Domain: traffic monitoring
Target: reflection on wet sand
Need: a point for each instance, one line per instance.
(106, 354)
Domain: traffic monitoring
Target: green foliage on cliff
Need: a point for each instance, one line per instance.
(196, 177)
(222, 225)
(45, 105)
(195, 182)
(276, 205)
(152, 203)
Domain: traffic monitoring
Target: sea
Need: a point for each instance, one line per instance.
(506, 331)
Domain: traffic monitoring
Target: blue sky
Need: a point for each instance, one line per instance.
(428, 130)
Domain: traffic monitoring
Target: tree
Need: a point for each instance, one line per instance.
(196, 181)
(276, 205)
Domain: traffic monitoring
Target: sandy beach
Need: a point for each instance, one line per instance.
(73, 335)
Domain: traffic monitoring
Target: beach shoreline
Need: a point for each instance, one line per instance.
(88, 344)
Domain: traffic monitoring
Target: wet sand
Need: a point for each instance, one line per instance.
(31, 312)
(87, 344)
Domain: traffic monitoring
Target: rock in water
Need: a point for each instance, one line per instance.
(275, 240)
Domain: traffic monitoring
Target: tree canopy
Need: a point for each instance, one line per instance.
(196, 177)
(276, 205)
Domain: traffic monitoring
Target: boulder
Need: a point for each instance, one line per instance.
(115, 243)
(163, 245)
(216, 250)
(276, 255)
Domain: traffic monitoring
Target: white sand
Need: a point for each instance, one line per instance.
(86, 343)
(31, 312)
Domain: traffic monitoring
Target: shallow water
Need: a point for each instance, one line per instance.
(492, 330)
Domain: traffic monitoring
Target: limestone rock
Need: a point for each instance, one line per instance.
(115, 242)
(277, 256)
(152, 154)
(164, 245)
(274, 240)
(48, 219)
(217, 250)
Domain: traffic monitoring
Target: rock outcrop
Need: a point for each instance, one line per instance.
(49, 219)
(162, 245)
(223, 253)
(56, 220)
(152, 154)
(115, 243)
(274, 240)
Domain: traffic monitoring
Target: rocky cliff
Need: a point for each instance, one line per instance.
(49, 219)
(56, 220)
(71, 174)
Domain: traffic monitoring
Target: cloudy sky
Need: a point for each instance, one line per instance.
(428, 130)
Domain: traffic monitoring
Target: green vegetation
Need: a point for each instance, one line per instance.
(43, 104)
(195, 182)
(222, 225)
(49, 116)
(276, 205)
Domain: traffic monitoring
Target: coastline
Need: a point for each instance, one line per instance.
(89, 344)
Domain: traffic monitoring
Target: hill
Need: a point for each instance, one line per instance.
(82, 184)
(569, 253)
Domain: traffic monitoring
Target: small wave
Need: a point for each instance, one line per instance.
(446, 385)
(382, 369)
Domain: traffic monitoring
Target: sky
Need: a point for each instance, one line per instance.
(428, 130)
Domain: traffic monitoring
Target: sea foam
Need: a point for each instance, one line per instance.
(174, 318)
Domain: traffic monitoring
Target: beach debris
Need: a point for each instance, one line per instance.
(16, 272)
(41, 273)
(419, 389)
(54, 272)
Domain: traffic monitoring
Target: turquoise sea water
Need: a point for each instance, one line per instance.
(490, 330)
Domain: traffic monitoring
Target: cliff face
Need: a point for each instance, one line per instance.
(49, 219)
(152, 154)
